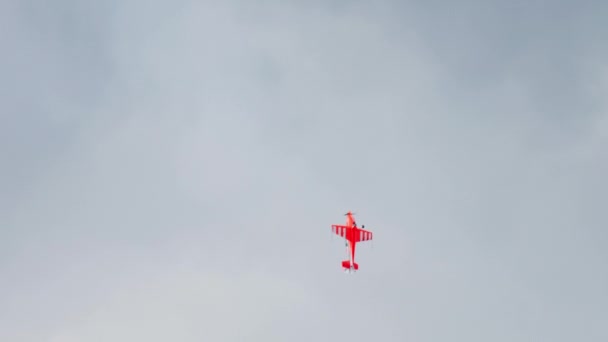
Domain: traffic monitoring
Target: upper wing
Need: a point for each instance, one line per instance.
(340, 230)
(346, 232)
(364, 235)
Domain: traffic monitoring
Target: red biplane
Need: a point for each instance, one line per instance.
(352, 234)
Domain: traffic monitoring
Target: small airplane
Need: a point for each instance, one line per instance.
(352, 234)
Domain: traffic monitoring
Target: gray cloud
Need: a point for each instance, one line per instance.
(171, 171)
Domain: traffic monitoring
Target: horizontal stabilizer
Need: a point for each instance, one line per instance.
(348, 265)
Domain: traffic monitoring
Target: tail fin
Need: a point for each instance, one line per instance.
(347, 265)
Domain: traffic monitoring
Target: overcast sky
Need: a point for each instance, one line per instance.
(170, 170)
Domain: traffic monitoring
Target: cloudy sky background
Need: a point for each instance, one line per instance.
(170, 170)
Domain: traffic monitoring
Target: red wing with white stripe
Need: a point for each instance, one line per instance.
(347, 233)
(364, 235)
(340, 230)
